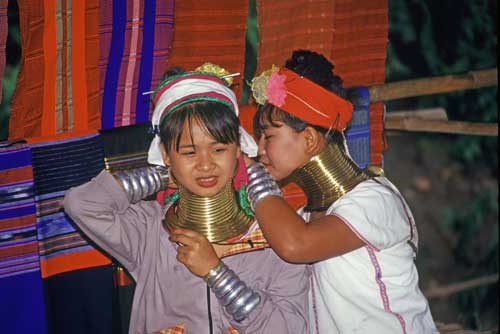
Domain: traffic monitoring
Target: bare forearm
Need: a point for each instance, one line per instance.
(283, 228)
(296, 241)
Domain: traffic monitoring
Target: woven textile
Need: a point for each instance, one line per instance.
(57, 166)
(126, 147)
(57, 88)
(210, 31)
(3, 38)
(135, 40)
(20, 280)
(285, 26)
(359, 53)
(358, 133)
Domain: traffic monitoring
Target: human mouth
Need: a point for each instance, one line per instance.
(207, 182)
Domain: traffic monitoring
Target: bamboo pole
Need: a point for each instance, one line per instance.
(436, 114)
(446, 290)
(415, 124)
(426, 86)
(469, 331)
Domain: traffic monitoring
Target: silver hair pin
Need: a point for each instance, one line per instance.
(231, 75)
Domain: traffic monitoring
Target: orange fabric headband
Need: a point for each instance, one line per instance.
(303, 98)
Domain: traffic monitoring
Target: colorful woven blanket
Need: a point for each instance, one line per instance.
(20, 280)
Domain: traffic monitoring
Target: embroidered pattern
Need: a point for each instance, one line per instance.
(232, 330)
(383, 288)
(179, 329)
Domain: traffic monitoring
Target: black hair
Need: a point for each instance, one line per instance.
(217, 118)
(312, 66)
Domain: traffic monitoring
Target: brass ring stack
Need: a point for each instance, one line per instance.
(143, 182)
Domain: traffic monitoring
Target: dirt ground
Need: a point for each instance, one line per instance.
(432, 181)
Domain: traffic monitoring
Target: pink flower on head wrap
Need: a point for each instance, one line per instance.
(276, 89)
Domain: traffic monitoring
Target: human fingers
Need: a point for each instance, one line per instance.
(182, 239)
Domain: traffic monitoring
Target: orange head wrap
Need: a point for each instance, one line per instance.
(303, 98)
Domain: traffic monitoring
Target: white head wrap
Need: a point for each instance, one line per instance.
(186, 88)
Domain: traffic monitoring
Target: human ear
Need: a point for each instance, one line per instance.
(238, 152)
(313, 140)
(164, 155)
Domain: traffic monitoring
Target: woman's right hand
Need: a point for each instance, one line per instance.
(194, 251)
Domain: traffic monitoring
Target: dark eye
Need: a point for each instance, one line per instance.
(188, 153)
(220, 149)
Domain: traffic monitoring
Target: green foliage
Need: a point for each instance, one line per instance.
(477, 250)
(13, 47)
(431, 38)
(8, 87)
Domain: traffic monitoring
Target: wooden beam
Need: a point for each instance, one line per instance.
(436, 114)
(469, 331)
(414, 124)
(446, 290)
(435, 85)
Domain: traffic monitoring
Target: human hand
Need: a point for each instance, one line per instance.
(248, 160)
(194, 251)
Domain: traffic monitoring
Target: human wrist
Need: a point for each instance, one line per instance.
(139, 183)
(260, 184)
(238, 299)
(215, 273)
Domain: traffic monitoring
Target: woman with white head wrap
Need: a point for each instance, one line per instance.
(174, 251)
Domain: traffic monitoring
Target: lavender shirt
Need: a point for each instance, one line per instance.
(167, 294)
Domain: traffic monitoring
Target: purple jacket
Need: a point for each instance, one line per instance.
(168, 298)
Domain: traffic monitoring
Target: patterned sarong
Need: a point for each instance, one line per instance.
(286, 25)
(20, 281)
(135, 41)
(210, 31)
(57, 166)
(57, 88)
(359, 52)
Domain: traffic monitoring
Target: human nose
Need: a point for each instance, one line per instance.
(205, 161)
(261, 146)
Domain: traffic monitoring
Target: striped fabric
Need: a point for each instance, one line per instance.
(57, 166)
(135, 40)
(20, 280)
(359, 52)
(254, 240)
(3, 38)
(286, 25)
(57, 88)
(210, 31)
(358, 133)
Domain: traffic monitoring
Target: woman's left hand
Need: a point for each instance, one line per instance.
(194, 251)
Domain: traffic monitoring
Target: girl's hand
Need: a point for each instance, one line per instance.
(194, 251)
(248, 160)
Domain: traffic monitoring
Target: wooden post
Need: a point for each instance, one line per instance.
(426, 86)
